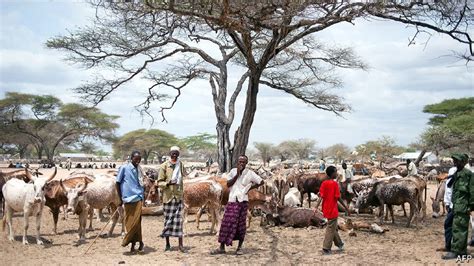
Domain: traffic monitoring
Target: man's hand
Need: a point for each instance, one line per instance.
(121, 203)
(170, 183)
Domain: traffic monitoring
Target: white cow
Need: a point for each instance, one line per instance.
(292, 198)
(101, 193)
(77, 204)
(27, 198)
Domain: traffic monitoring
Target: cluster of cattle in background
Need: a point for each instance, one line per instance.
(280, 202)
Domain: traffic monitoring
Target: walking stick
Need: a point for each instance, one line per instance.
(95, 239)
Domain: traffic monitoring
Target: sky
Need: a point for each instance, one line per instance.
(387, 99)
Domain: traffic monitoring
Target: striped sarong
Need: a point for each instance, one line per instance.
(233, 226)
(173, 218)
(133, 222)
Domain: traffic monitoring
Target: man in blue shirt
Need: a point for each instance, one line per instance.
(129, 184)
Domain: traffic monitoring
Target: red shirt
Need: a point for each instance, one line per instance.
(330, 193)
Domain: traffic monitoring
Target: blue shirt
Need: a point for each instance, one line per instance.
(131, 189)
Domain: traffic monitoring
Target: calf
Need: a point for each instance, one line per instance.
(296, 217)
(101, 193)
(27, 198)
(203, 193)
(292, 198)
(390, 193)
(78, 205)
(439, 199)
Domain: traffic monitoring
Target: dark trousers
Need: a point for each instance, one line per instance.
(448, 229)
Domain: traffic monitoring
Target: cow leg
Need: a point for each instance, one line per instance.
(381, 211)
(114, 221)
(404, 210)
(386, 212)
(390, 208)
(121, 217)
(413, 209)
(8, 216)
(64, 212)
(91, 214)
(25, 227)
(249, 214)
(38, 227)
(309, 199)
(198, 216)
(55, 212)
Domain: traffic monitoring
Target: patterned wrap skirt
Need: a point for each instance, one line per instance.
(173, 218)
(233, 226)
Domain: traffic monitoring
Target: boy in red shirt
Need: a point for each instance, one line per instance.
(330, 194)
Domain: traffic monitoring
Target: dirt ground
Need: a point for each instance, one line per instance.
(276, 245)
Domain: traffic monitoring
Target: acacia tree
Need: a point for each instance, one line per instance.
(272, 41)
(146, 141)
(451, 127)
(202, 145)
(339, 151)
(47, 123)
(265, 151)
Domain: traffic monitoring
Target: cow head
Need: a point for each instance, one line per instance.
(74, 195)
(39, 183)
(362, 200)
(435, 206)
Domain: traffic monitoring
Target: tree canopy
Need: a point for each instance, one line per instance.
(47, 123)
(272, 42)
(148, 142)
(451, 127)
(384, 148)
(202, 145)
(265, 151)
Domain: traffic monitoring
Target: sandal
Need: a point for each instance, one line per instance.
(182, 250)
(217, 251)
(168, 248)
(239, 252)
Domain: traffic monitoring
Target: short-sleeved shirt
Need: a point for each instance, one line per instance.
(238, 191)
(130, 186)
(348, 174)
(329, 192)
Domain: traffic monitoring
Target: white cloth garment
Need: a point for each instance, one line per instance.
(141, 175)
(449, 190)
(238, 191)
(412, 169)
(176, 176)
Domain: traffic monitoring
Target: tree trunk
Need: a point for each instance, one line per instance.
(420, 157)
(224, 152)
(241, 138)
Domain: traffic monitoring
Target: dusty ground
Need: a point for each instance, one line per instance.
(279, 245)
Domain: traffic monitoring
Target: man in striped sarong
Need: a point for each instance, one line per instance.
(233, 226)
(170, 180)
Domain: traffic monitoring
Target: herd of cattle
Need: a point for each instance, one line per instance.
(279, 202)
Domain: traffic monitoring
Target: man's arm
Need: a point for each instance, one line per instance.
(471, 191)
(231, 182)
(161, 181)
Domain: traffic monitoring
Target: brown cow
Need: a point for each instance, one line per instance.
(56, 196)
(78, 205)
(205, 193)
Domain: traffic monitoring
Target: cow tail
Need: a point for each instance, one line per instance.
(426, 188)
(4, 221)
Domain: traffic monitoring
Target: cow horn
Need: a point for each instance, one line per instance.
(62, 186)
(53, 175)
(85, 185)
(29, 176)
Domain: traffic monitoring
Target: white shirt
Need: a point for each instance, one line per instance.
(449, 190)
(238, 191)
(412, 169)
